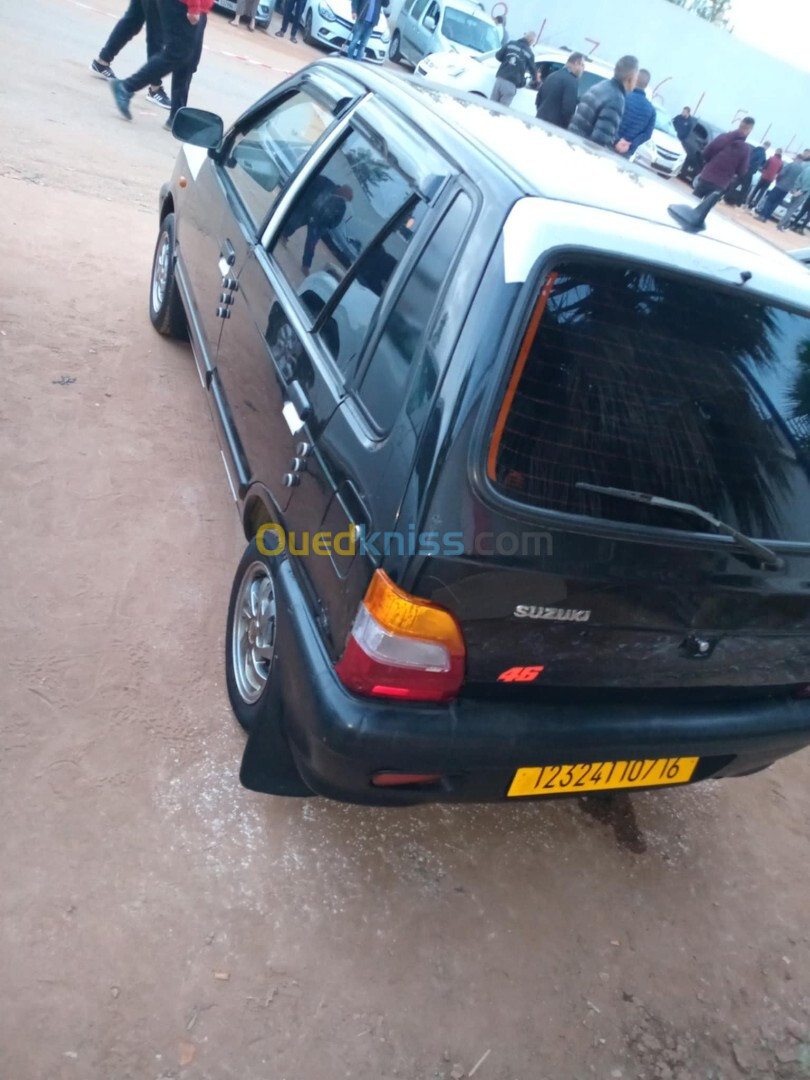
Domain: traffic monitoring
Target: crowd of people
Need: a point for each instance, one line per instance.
(617, 113)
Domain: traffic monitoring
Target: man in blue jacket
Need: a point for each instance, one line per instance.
(366, 15)
(638, 122)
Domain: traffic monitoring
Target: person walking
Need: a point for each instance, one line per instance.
(517, 62)
(558, 95)
(785, 184)
(770, 171)
(684, 123)
(638, 122)
(366, 15)
(726, 160)
(756, 163)
(138, 14)
(801, 191)
(291, 16)
(246, 9)
(600, 112)
(183, 23)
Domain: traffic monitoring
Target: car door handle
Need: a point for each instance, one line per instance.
(299, 399)
(227, 257)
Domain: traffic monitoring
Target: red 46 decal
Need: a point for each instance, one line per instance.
(520, 674)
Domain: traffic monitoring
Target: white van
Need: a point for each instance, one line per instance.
(431, 26)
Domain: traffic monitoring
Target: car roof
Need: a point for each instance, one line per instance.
(470, 6)
(546, 161)
(554, 52)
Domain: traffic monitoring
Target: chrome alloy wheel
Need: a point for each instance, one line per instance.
(160, 272)
(254, 632)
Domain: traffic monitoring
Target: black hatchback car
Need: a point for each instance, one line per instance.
(523, 466)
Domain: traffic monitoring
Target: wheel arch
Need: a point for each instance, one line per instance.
(258, 509)
(166, 202)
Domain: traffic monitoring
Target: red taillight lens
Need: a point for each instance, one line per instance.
(402, 647)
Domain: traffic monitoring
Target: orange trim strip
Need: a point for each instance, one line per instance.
(523, 356)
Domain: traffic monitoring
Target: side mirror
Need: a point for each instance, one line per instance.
(430, 24)
(198, 127)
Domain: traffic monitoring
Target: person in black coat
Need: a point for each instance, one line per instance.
(558, 95)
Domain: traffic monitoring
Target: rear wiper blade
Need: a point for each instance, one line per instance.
(764, 554)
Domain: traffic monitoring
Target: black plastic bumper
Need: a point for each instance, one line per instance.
(339, 741)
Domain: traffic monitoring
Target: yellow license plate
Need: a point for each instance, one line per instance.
(601, 776)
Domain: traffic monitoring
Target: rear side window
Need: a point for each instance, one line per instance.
(263, 158)
(409, 324)
(341, 210)
(352, 320)
(633, 379)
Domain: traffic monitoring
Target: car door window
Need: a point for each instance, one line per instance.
(263, 158)
(432, 13)
(339, 212)
(353, 318)
(408, 329)
(418, 9)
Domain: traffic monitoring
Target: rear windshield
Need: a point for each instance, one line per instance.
(631, 378)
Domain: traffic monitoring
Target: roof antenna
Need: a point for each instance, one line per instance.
(693, 218)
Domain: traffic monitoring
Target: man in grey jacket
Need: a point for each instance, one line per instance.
(599, 113)
(786, 182)
(801, 190)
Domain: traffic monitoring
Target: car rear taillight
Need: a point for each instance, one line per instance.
(402, 647)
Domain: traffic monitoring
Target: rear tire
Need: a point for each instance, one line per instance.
(251, 673)
(250, 640)
(165, 306)
(394, 53)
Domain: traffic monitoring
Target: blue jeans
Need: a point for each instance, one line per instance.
(357, 42)
(768, 203)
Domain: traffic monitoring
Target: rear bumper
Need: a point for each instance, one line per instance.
(338, 740)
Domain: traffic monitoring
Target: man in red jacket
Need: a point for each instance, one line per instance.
(773, 166)
(726, 158)
(183, 29)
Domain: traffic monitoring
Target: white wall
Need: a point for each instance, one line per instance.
(688, 58)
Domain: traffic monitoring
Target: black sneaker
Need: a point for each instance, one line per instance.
(279, 33)
(160, 97)
(294, 40)
(104, 71)
(122, 98)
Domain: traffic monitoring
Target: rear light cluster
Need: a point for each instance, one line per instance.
(402, 647)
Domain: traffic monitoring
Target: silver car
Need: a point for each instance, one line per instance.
(436, 26)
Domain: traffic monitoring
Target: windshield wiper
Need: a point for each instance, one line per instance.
(764, 554)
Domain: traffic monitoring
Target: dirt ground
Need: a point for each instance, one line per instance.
(160, 922)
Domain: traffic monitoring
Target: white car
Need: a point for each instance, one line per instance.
(457, 27)
(329, 23)
(476, 74)
(664, 152)
(801, 255)
(264, 11)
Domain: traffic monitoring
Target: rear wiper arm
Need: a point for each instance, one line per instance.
(764, 554)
